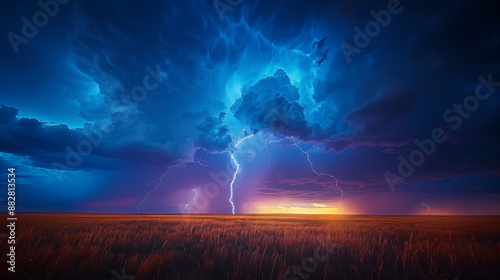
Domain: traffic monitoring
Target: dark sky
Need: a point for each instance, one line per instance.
(373, 107)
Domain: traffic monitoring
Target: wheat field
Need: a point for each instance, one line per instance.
(92, 246)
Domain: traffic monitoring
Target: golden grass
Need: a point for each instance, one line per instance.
(80, 246)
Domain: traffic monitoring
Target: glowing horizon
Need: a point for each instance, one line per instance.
(293, 207)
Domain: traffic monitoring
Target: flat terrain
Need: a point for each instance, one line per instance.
(86, 246)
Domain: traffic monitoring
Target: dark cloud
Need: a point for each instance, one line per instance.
(31, 137)
(272, 104)
(45, 144)
(214, 137)
(375, 115)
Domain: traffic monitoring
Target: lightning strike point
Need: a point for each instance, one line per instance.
(428, 207)
(231, 186)
(191, 201)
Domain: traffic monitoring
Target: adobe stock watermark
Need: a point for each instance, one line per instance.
(277, 124)
(118, 276)
(453, 116)
(309, 265)
(48, 9)
(222, 6)
(203, 195)
(219, 183)
(221, 180)
(372, 29)
(126, 102)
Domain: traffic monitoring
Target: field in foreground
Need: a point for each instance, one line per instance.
(78, 246)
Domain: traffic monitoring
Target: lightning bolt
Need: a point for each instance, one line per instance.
(187, 205)
(266, 145)
(159, 180)
(237, 169)
(269, 153)
(318, 173)
(428, 207)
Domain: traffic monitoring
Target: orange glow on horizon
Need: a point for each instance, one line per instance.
(295, 208)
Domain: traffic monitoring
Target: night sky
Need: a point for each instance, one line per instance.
(354, 107)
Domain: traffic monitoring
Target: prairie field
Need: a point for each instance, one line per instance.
(93, 246)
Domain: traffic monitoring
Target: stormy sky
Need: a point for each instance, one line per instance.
(371, 107)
